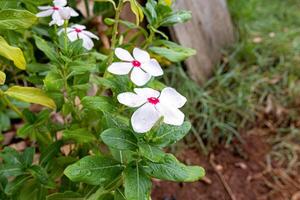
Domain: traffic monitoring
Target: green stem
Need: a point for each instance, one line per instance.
(87, 7)
(12, 106)
(149, 39)
(66, 35)
(115, 31)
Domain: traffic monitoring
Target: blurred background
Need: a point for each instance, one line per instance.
(243, 91)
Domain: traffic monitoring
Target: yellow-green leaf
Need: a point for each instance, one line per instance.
(168, 2)
(30, 95)
(2, 77)
(12, 53)
(137, 10)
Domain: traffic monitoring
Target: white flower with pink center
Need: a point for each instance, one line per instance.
(152, 106)
(58, 11)
(140, 66)
(76, 32)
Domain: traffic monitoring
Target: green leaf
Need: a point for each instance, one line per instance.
(171, 169)
(28, 155)
(16, 19)
(152, 153)
(119, 139)
(176, 17)
(11, 169)
(69, 195)
(137, 184)
(94, 170)
(12, 53)
(41, 175)
(98, 103)
(16, 184)
(50, 152)
(168, 134)
(2, 77)
(119, 194)
(30, 95)
(46, 47)
(171, 50)
(137, 10)
(81, 135)
(53, 81)
(110, 1)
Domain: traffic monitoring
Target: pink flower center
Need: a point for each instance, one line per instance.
(78, 30)
(136, 63)
(153, 100)
(55, 8)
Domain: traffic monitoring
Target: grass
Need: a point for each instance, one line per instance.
(259, 75)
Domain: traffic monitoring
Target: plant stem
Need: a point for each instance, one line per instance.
(65, 35)
(87, 7)
(149, 39)
(12, 106)
(115, 31)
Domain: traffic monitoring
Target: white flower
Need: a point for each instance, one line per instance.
(58, 11)
(76, 32)
(141, 66)
(153, 105)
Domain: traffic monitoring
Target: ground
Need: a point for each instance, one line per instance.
(241, 168)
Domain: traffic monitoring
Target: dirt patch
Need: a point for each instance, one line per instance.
(242, 168)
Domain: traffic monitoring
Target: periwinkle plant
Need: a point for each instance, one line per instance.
(113, 118)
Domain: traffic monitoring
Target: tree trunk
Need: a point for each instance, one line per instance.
(208, 32)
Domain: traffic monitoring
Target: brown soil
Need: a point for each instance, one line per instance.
(243, 170)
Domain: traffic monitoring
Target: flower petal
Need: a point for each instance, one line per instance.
(45, 7)
(61, 3)
(141, 55)
(72, 36)
(78, 26)
(45, 13)
(123, 54)
(172, 115)
(130, 99)
(73, 12)
(153, 68)
(91, 35)
(87, 42)
(146, 92)
(120, 68)
(170, 96)
(144, 118)
(139, 77)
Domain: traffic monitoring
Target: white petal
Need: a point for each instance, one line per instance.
(172, 115)
(139, 77)
(170, 96)
(45, 13)
(91, 35)
(123, 54)
(153, 68)
(78, 26)
(61, 3)
(56, 16)
(72, 36)
(146, 92)
(58, 22)
(87, 42)
(141, 55)
(120, 68)
(63, 30)
(144, 118)
(73, 12)
(65, 13)
(45, 7)
(130, 99)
